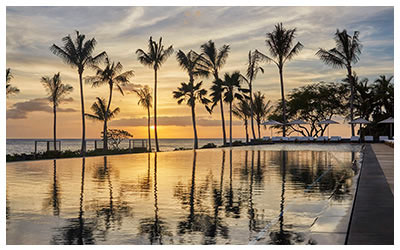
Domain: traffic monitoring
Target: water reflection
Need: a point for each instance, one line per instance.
(190, 197)
(282, 236)
(77, 230)
(54, 200)
(198, 219)
(155, 227)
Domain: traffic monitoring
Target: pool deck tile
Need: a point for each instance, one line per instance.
(372, 221)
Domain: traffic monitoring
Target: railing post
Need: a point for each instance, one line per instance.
(142, 143)
(48, 145)
(35, 147)
(95, 145)
(59, 146)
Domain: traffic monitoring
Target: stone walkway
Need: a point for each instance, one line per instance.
(372, 219)
(385, 156)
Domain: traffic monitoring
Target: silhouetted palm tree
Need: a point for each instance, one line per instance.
(79, 54)
(154, 58)
(194, 65)
(10, 90)
(383, 89)
(101, 114)
(253, 68)
(344, 55)
(215, 60)
(242, 111)
(261, 109)
(231, 85)
(57, 91)
(112, 76)
(280, 45)
(145, 100)
(191, 94)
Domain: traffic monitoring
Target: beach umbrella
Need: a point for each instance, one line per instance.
(390, 121)
(297, 122)
(359, 121)
(328, 122)
(271, 123)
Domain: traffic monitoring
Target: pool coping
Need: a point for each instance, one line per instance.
(372, 217)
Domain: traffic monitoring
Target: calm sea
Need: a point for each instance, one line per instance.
(18, 146)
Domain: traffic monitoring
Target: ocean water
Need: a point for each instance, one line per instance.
(18, 146)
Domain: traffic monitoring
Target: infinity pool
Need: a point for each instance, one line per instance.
(271, 194)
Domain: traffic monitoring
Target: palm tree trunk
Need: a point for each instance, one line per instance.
(258, 127)
(148, 127)
(155, 110)
(251, 110)
(83, 147)
(194, 127)
(350, 76)
(54, 127)
(247, 134)
(230, 124)
(283, 101)
(105, 139)
(222, 119)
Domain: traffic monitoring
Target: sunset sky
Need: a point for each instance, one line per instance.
(120, 31)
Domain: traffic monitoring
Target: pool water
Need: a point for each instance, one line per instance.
(271, 194)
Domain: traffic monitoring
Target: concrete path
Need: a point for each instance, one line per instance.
(385, 156)
(372, 220)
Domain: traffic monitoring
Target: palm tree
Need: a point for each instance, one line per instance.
(344, 55)
(261, 109)
(78, 53)
(253, 68)
(57, 91)
(154, 58)
(215, 60)
(280, 45)
(10, 90)
(231, 86)
(110, 75)
(101, 113)
(384, 95)
(145, 100)
(192, 93)
(242, 111)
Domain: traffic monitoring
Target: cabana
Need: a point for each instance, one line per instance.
(390, 121)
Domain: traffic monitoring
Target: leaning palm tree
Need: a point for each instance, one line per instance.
(154, 58)
(113, 76)
(78, 53)
(253, 68)
(215, 60)
(232, 87)
(10, 90)
(100, 113)
(242, 111)
(261, 109)
(344, 55)
(280, 45)
(56, 92)
(145, 100)
(192, 93)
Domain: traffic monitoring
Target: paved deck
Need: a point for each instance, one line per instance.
(385, 156)
(372, 220)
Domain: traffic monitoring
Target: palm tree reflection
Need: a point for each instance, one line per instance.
(77, 230)
(54, 200)
(154, 227)
(198, 219)
(232, 207)
(284, 237)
